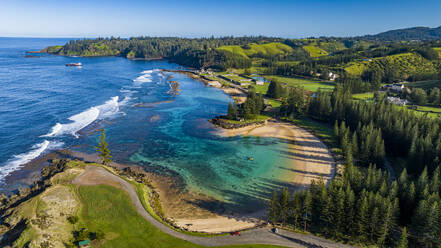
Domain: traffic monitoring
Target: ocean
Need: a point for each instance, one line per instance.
(46, 106)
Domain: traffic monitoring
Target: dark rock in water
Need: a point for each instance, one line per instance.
(174, 88)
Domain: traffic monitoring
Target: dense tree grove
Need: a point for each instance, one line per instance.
(253, 105)
(196, 53)
(364, 205)
(275, 90)
(405, 134)
(248, 110)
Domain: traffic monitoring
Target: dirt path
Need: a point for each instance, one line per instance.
(94, 175)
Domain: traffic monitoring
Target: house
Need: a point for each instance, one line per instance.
(259, 82)
(242, 84)
(397, 87)
(394, 87)
(84, 243)
(245, 80)
(397, 100)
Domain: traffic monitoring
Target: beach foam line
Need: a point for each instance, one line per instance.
(17, 161)
(146, 76)
(79, 121)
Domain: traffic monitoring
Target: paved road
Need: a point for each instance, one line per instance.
(96, 175)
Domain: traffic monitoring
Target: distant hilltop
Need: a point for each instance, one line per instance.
(407, 34)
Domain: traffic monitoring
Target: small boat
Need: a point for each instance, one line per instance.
(74, 64)
(251, 158)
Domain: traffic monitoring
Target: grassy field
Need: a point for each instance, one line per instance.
(272, 48)
(274, 103)
(363, 96)
(431, 111)
(308, 85)
(109, 210)
(425, 84)
(262, 89)
(315, 51)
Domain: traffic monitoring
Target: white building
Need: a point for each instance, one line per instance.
(397, 87)
(259, 82)
(397, 100)
(332, 76)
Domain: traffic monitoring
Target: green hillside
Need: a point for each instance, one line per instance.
(331, 46)
(315, 51)
(405, 63)
(254, 49)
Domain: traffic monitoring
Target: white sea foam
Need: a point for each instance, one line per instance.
(109, 108)
(79, 121)
(127, 91)
(146, 76)
(125, 100)
(18, 160)
(87, 117)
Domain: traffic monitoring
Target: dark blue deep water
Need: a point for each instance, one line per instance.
(47, 106)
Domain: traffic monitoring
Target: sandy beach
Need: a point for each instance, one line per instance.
(309, 160)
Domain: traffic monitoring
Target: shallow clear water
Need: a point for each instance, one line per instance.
(46, 106)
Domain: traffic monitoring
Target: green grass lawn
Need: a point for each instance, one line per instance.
(109, 210)
(274, 103)
(309, 85)
(262, 89)
(430, 110)
(363, 96)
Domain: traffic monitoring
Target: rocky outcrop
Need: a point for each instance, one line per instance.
(220, 121)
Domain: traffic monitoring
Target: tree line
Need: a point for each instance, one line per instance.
(364, 205)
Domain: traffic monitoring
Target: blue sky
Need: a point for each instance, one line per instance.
(195, 18)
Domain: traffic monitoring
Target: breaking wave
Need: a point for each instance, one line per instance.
(18, 160)
(87, 117)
